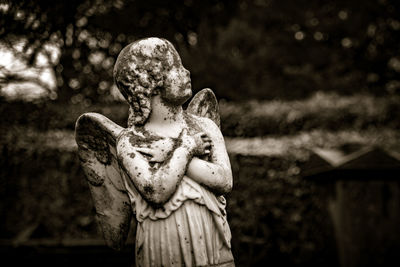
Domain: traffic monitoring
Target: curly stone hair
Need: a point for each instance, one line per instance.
(139, 70)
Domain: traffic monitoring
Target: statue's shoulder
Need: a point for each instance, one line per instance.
(139, 138)
(135, 136)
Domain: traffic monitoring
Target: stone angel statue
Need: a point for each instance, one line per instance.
(169, 168)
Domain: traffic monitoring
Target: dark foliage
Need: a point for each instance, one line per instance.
(275, 216)
(242, 49)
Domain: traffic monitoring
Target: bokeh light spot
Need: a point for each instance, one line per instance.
(82, 22)
(346, 42)
(318, 36)
(74, 83)
(192, 38)
(343, 15)
(314, 22)
(299, 35)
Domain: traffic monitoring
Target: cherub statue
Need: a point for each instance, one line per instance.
(169, 168)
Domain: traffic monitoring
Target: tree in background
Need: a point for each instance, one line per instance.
(290, 49)
(242, 49)
(90, 35)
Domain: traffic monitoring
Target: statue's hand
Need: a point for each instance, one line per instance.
(203, 144)
(199, 144)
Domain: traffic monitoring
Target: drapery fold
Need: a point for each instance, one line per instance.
(188, 230)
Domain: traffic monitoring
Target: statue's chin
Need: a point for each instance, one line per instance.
(189, 94)
(179, 100)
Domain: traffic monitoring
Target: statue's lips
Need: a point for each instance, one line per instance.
(187, 86)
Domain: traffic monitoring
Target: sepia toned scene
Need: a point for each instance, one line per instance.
(307, 100)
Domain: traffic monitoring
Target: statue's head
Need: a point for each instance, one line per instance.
(149, 67)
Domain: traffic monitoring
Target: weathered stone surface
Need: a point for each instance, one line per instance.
(205, 104)
(170, 166)
(95, 136)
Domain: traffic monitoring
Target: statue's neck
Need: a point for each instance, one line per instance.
(165, 118)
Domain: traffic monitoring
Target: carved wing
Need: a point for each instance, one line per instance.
(96, 138)
(205, 104)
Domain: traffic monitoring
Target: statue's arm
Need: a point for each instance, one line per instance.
(155, 184)
(217, 174)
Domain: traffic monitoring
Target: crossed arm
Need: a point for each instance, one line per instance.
(215, 174)
(157, 184)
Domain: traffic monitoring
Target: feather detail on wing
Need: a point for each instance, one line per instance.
(96, 138)
(205, 104)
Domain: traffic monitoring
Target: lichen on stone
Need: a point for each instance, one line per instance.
(140, 69)
(93, 178)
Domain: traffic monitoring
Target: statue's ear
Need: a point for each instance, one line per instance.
(205, 104)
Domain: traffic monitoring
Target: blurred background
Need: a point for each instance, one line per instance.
(304, 88)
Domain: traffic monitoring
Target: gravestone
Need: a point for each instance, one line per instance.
(364, 201)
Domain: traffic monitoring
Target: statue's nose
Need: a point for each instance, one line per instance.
(186, 73)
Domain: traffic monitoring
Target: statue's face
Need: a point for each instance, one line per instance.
(177, 83)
